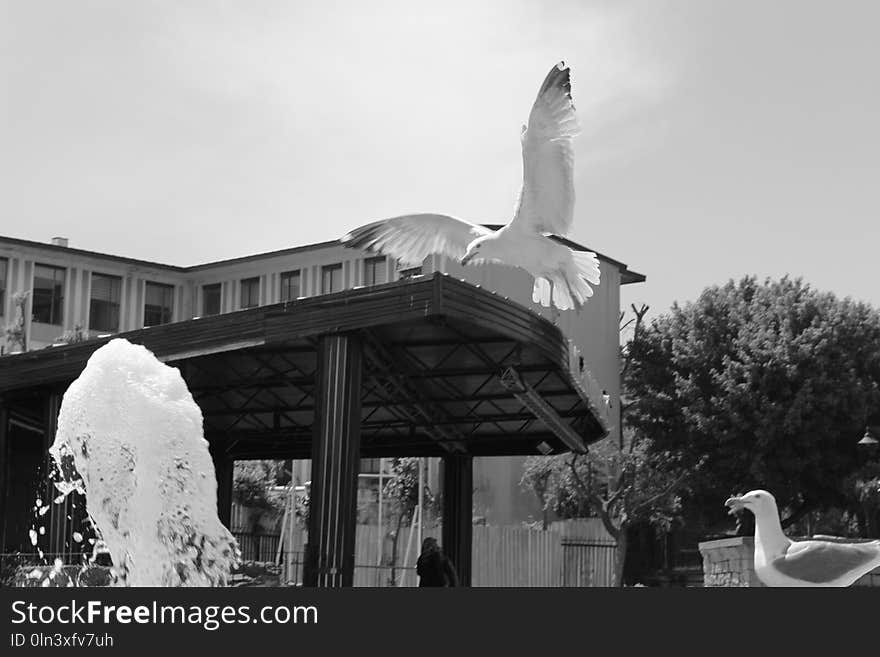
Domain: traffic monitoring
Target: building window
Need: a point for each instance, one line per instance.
(4, 267)
(158, 304)
(375, 271)
(409, 273)
(48, 300)
(370, 466)
(290, 284)
(211, 299)
(104, 305)
(250, 292)
(331, 278)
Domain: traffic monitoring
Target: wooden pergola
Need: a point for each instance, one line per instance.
(429, 366)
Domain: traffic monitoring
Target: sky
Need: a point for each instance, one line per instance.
(719, 139)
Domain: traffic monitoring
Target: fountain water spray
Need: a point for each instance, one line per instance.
(130, 439)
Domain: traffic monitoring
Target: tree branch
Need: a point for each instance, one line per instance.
(637, 329)
(602, 506)
(666, 491)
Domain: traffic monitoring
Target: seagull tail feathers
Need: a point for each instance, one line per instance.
(569, 289)
(587, 265)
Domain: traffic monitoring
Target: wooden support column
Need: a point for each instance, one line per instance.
(335, 463)
(4, 471)
(458, 496)
(224, 468)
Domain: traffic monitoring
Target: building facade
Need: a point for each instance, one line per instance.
(53, 291)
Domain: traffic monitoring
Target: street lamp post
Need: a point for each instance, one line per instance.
(868, 444)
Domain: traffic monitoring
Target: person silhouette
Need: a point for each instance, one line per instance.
(433, 567)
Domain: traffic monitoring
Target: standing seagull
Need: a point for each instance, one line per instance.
(546, 205)
(779, 561)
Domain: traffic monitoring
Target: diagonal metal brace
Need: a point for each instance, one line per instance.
(531, 399)
(418, 408)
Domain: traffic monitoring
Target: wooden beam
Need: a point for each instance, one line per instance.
(335, 463)
(4, 471)
(458, 501)
(532, 400)
(470, 399)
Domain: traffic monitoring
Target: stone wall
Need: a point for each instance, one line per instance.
(730, 562)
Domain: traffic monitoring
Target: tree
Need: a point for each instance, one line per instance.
(15, 331)
(402, 493)
(252, 481)
(771, 382)
(622, 484)
(538, 475)
(865, 485)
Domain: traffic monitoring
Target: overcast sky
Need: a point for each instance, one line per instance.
(720, 138)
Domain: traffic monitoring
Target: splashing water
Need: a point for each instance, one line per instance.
(130, 439)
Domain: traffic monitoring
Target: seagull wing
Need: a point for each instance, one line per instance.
(411, 238)
(825, 561)
(546, 202)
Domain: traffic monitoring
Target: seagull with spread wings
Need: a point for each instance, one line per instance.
(546, 206)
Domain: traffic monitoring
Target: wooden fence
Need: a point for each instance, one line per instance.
(571, 553)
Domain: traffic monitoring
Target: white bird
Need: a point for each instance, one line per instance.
(546, 205)
(779, 561)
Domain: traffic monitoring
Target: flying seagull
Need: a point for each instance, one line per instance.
(779, 561)
(546, 205)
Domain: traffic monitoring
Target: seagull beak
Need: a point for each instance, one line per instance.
(467, 258)
(736, 505)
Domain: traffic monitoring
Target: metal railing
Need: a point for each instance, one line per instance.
(257, 547)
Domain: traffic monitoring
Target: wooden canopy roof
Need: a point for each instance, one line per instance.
(448, 368)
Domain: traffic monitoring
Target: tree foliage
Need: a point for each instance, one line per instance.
(620, 485)
(402, 493)
(252, 481)
(16, 336)
(402, 490)
(865, 486)
(772, 382)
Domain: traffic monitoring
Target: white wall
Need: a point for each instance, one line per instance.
(79, 268)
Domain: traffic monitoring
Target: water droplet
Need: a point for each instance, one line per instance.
(33, 536)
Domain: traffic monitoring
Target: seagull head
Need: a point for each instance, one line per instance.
(759, 502)
(480, 250)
